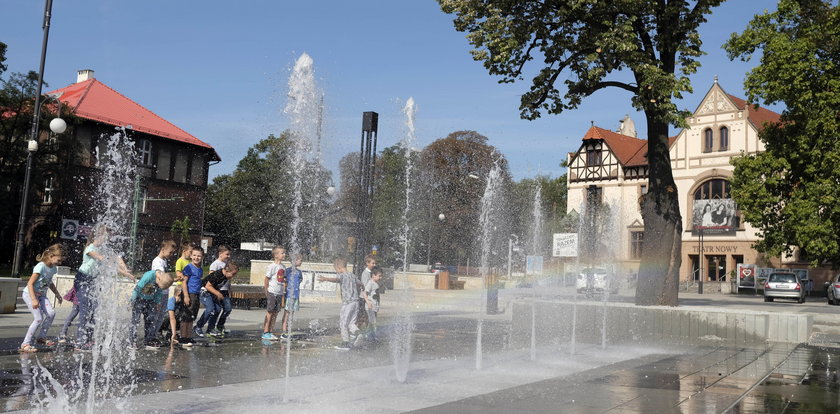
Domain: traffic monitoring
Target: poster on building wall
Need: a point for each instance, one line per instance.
(746, 275)
(565, 245)
(714, 216)
(69, 229)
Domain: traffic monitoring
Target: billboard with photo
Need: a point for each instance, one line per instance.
(714, 216)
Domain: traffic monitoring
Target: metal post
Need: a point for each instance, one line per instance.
(510, 254)
(364, 212)
(702, 257)
(36, 115)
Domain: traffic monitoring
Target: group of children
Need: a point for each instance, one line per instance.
(357, 294)
(156, 295)
(169, 304)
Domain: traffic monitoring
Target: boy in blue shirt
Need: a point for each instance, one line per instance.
(293, 279)
(145, 299)
(193, 274)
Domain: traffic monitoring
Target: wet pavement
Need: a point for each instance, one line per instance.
(244, 372)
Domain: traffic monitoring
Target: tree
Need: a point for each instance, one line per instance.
(791, 192)
(181, 230)
(255, 201)
(589, 42)
(453, 172)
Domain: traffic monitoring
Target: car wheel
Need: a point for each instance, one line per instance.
(768, 299)
(802, 300)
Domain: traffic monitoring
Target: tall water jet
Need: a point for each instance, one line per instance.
(401, 336)
(407, 143)
(536, 236)
(488, 223)
(304, 109)
(103, 372)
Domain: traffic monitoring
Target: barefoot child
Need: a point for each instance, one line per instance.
(275, 278)
(35, 296)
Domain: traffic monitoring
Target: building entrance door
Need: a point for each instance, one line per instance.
(716, 266)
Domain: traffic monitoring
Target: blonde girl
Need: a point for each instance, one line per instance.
(35, 296)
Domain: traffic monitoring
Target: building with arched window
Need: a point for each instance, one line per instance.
(722, 126)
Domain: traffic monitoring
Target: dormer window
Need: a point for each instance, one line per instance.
(144, 152)
(708, 140)
(593, 157)
(724, 139)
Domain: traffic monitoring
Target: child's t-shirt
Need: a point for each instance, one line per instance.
(194, 283)
(159, 263)
(45, 277)
(219, 265)
(370, 289)
(293, 278)
(89, 264)
(217, 279)
(181, 263)
(349, 287)
(274, 273)
(147, 289)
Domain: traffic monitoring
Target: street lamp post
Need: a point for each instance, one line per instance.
(32, 147)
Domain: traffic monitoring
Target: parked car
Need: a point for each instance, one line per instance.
(595, 280)
(783, 285)
(832, 290)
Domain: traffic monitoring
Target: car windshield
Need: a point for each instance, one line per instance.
(783, 277)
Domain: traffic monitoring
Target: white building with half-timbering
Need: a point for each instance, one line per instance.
(611, 167)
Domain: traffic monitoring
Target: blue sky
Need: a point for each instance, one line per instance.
(218, 69)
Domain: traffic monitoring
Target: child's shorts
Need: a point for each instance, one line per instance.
(292, 305)
(183, 313)
(274, 302)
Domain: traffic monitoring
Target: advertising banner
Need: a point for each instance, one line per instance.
(565, 245)
(714, 216)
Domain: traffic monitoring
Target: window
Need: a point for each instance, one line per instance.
(49, 189)
(593, 196)
(164, 164)
(144, 152)
(181, 161)
(724, 139)
(708, 140)
(197, 174)
(713, 190)
(593, 157)
(636, 240)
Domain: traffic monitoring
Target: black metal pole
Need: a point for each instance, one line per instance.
(36, 115)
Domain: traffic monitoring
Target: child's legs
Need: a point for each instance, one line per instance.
(150, 315)
(371, 314)
(207, 300)
(136, 311)
(84, 332)
(215, 310)
(49, 315)
(226, 309)
(347, 320)
(73, 314)
(37, 316)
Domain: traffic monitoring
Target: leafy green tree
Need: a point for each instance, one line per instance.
(255, 201)
(582, 46)
(453, 174)
(181, 230)
(791, 192)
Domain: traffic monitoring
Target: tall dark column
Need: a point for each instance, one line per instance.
(367, 171)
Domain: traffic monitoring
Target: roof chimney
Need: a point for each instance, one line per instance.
(84, 75)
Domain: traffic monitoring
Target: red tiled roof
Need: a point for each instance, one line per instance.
(624, 147)
(758, 116)
(92, 99)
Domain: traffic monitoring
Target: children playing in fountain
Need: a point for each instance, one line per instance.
(35, 297)
(371, 297)
(192, 280)
(349, 301)
(275, 289)
(160, 264)
(145, 301)
(223, 257)
(213, 299)
(293, 279)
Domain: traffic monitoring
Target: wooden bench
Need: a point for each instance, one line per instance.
(457, 284)
(243, 298)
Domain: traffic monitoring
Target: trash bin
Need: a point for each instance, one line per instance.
(443, 280)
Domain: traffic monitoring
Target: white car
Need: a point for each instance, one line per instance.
(594, 279)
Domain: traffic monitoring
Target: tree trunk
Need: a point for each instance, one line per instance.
(658, 280)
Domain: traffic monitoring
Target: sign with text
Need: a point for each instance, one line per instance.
(69, 229)
(565, 245)
(746, 275)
